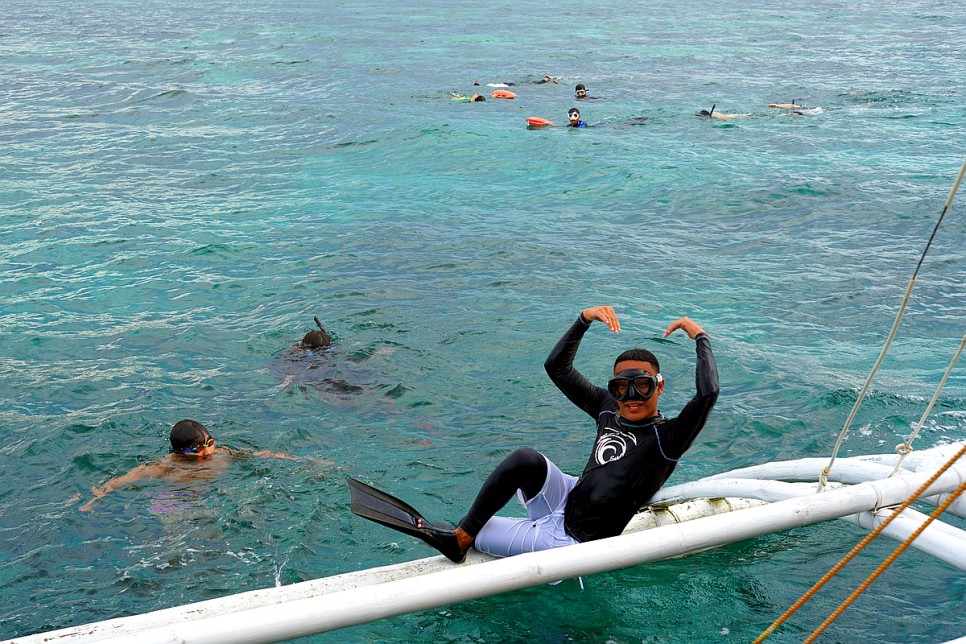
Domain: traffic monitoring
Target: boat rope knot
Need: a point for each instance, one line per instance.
(903, 449)
(823, 478)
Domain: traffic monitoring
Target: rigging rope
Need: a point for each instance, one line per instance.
(862, 544)
(904, 449)
(885, 564)
(824, 474)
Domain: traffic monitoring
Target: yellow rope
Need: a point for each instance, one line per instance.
(862, 544)
(885, 564)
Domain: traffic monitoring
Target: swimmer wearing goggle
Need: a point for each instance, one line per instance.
(574, 117)
(634, 384)
(202, 451)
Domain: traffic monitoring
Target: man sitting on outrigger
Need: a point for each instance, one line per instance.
(636, 450)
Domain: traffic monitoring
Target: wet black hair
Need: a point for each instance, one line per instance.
(479, 98)
(641, 355)
(580, 86)
(316, 339)
(573, 109)
(188, 434)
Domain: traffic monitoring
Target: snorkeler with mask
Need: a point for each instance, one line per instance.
(635, 451)
(711, 114)
(573, 115)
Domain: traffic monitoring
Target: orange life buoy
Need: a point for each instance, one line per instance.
(503, 93)
(536, 121)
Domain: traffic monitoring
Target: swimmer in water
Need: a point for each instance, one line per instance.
(573, 115)
(314, 341)
(795, 109)
(316, 363)
(711, 114)
(475, 98)
(786, 106)
(193, 457)
(542, 81)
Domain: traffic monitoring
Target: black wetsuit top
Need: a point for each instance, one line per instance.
(631, 460)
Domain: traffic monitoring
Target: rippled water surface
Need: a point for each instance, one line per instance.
(183, 186)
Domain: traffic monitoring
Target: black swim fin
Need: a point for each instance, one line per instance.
(376, 505)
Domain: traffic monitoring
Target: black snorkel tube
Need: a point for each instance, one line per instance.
(319, 324)
(705, 114)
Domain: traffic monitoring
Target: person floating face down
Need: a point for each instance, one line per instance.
(193, 457)
(475, 98)
(315, 341)
(573, 115)
(635, 451)
(711, 114)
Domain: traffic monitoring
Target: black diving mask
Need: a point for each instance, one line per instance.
(633, 384)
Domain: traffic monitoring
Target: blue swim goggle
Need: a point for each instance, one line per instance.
(633, 384)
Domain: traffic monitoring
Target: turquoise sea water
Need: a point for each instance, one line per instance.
(184, 185)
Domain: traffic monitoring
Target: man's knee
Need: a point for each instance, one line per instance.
(525, 458)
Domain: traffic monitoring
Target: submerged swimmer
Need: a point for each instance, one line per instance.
(316, 363)
(307, 362)
(636, 450)
(193, 457)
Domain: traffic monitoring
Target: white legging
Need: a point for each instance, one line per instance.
(544, 527)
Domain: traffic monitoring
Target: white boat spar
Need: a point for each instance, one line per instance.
(688, 526)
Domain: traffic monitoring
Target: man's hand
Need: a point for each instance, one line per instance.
(687, 325)
(603, 314)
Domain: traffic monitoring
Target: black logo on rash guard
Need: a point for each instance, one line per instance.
(613, 445)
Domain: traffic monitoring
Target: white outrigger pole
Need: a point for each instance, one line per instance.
(327, 604)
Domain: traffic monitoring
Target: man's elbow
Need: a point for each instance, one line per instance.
(548, 366)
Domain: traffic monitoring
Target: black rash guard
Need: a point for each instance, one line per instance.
(631, 460)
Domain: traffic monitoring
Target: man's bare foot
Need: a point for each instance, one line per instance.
(464, 539)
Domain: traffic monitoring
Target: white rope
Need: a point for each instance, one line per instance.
(904, 449)
(823, 475)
